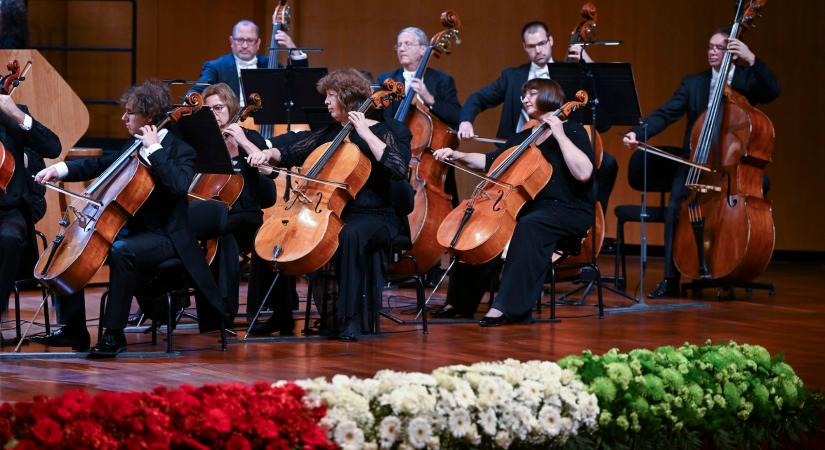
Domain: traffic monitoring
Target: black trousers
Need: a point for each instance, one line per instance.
(12, 241)
(132, 254)
(606, 178)
(540, 226)
(72, 309)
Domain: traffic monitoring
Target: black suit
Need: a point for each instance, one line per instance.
(441, 86)
(159, 231)
(757, 83)
(224, 70)
(23, 202)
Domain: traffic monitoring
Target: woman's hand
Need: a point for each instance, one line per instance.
(446, 154)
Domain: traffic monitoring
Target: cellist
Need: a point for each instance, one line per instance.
(370, 219)
(751, 77)
(159, 230)
(564, 207)
(18, 204)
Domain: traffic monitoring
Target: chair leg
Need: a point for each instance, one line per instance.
(308, 308)
(17, 328)
(419, 295)
(103, 299)
(223, 335)
(552, 292)
(169, 322)
(46, 317)
(620, 248)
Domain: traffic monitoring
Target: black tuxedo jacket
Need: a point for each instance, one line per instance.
(165, 212)
(224, 70)
(757, 83)
(506, 89)
(441, 86)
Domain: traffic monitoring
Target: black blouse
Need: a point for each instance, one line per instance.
(393, 165)
(562, 187)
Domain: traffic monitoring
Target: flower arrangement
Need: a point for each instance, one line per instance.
(230, 416)
(536, 404)
(733, 396)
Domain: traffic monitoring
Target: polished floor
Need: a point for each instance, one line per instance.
(790, 322)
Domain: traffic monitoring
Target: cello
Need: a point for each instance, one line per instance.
(427, 175)
(726, 230)
(224, 187)
(480, 227)
(81, 247)
(8, 83)
(302, 235)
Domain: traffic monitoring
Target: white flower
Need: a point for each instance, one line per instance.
(503, 439)
(488, 422)
(370, 446)
(419, 432)
(550, 420)
(348, 435)
(389, 430)
(460, 423)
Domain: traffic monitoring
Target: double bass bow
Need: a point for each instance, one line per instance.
(302, 235)
(8, 83)
(480, 227)
(427, 175)
(81, 247)
(726, 229)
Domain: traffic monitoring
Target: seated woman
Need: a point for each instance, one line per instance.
(564, 207)
(370, 219)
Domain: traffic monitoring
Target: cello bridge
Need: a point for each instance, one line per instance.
(704, 188)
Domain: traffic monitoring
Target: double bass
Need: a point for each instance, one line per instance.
(480, 227)
(585, 30)
(81, 247)
(427, 175)
(302, 235)
(8, 83)
(280, 22)
(725, 230)
(218, 186)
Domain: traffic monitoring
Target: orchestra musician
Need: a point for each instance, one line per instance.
(751, 77)
(22, 204)
(370, 219)
(159, 230)
(244, 42)
(564, 207)
(537, 42)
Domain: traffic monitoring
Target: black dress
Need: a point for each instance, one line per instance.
(564, 207)
(370, 219)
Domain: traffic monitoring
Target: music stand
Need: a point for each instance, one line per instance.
(284, 92)
(612, 91)
(201, 131)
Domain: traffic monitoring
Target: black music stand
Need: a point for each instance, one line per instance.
(613, 101)
(201, 131)
(284, 92)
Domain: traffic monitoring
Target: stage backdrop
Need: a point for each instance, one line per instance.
(663, 40)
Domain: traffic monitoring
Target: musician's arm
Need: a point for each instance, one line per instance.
(173, 166)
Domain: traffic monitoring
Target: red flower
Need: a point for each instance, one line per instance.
(218, 420)
(47, 431)
(71, 404)
(238, 442)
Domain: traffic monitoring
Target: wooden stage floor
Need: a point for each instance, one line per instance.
(790, 322)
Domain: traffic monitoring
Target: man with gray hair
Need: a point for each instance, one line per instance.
(244, 42)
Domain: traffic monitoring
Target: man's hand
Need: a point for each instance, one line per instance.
(46, 175)
(149, 135)
(420, 88)
(629, 140)
(740, 50)
(465, 130)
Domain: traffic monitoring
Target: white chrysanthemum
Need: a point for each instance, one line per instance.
(493, 391)
(550, 420)
(487, 420)
(503, 439)
(464, 395)
(569, 396)
(460, 423)
(348, 435)
(567, 426)
(567, 376)
(419, 432)
(529, 393)
(411, 400)
(342, 381)
(367, 388)
(434, 443)
(551, 385)
(389, 430)
(370, 446)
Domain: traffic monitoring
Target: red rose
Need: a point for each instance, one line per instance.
(218, 420)
(47, 431)
(238, 442)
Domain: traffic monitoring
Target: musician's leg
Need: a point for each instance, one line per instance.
(74, 332)
(12, 239)
(669, 287)
(606, 174)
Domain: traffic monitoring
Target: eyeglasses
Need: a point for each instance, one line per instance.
(531, 95)
(241, 41)
(720, 48)
(217, 108)
(537, 44)
(407, 45)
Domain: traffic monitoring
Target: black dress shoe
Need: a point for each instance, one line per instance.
(493, 321)
(109, 346)
(449, 312)
(76, 338)
(669, 287)
(269, 327)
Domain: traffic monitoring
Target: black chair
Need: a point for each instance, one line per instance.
(27, 281)
(172, 279)
(586, 272)
(660, 178)
(398, 248)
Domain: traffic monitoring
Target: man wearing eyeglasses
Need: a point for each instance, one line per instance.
(245, 42)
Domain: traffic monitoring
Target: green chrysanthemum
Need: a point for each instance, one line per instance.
(620, 374)
(654, 387)
(604, 389)
(672, 377)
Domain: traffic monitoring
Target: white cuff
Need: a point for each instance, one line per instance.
(152, 149)
(27, 122)
(62, 169)
(295, 57)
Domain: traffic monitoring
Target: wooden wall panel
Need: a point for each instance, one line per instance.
(663, 40)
